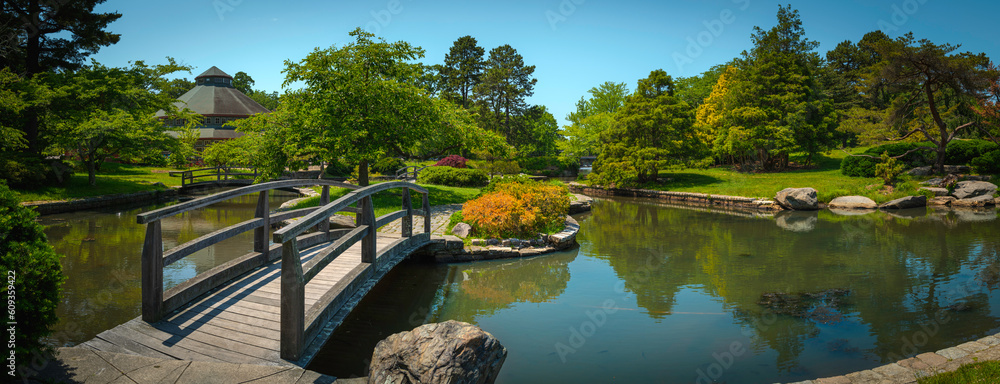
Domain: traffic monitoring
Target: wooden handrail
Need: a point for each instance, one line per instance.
(295, 275)
(148, 217)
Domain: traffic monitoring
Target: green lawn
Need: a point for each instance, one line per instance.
(986, 372)
(392, 200)
(112, 179)
(825, 177)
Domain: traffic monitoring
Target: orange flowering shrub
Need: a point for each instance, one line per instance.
(517, 210)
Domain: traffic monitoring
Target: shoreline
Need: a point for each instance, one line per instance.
(66, 206)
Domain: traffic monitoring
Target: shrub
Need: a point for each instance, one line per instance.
(863, 166)
(517, 209)
(547, 165)
(888, 169)
(454, 161)
(36, 272)
(988, 163)
(503, 167)
(388, 165)
(337, 168)
(23, 172)
(453, 177)
(961, 152)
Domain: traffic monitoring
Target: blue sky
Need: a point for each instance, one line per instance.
(574, 44)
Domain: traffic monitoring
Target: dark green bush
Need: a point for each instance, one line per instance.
(337, 168)
(546, 165)
(862, 166)
(961, 152)
(34, 266)
(988, 163)
(30, 172)
(388, 166)
(453, 177)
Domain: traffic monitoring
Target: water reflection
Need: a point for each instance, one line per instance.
(102, 259)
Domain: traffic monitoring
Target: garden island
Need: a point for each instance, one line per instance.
(381, 205)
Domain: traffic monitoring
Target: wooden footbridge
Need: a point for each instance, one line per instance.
(269, 306)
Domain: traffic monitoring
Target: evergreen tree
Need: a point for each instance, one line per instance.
(462, 69)
(506, 83)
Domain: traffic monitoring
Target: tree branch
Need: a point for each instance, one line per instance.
(891, 157)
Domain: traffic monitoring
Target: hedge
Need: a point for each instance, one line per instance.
(453, 177)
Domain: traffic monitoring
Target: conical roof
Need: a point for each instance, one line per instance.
(213, 72)
(217, 98)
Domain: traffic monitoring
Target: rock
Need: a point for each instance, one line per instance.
(493, 242)
(797, 221)
(977, 178)
(968, 189)
(921, 171)
(935, 181)
(975, 216)
(906, 202)
(505, 243)
(941, 200)
(342, 222)
(850, 212)
(462, 230)
(957, 169)
(975, 202)
(855, 202)
(798, 199)
(937, 191)
(448, 352)
(479, 242)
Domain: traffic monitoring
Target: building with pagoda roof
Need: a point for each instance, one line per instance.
(215, 98)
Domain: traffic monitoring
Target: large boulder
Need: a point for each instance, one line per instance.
(969, 189)
(937, 191)
(975, 202)
(941, 200)
(853, 202)
(449, 352)
(462, 230)
(921, 171)
(906, 202)
(798, 199)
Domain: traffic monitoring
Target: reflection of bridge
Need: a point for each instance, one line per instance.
(270, 305)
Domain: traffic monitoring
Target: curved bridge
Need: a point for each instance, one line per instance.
(269, 306)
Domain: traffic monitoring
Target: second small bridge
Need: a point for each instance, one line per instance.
(268, 306)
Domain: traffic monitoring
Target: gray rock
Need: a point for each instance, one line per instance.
(957, 169)
(449, 352)
(798, 199)
(937, 191)
(855, 202)
(462, 230)
(478, 242)
(493, 242)
(921, 171)
(941, 200)
(797, 221)
(342, 222)
(975, 202)
(906, 202)
(978, 177)
(505, 243)
(969, 189)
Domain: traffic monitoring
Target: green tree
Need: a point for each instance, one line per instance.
(694, 90)
(243, 82)
(937, 91)
(652, 131)
(539, 135)
(30, 260)
(463, 69)
(265, 99)
(51, 35)
(359, 100)
(506, 83)
(777, 106)
(178, 87)
(989, 108)
(455, 132)
(112, 112)
(592, 117)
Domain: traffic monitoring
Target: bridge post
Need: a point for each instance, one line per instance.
(407, 225)
(260, 234)
(293, 302)
(152, 273)
(324, 199)
(427, 213)
(367, 216)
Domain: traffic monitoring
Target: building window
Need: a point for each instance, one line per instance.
(218, 120)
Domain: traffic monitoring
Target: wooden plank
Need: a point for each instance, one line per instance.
(292, 301)
(211, 279)
(263, 212)
(152, 273)
(183, 250)
(149, 346)
(242, 333)
(321, 311)
(324, 256)
(99, 344)
(388, 218)
(263, 328)
(217, 348)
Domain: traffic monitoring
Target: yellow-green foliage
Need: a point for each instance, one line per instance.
(517, 209)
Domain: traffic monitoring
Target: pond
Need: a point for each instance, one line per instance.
(665, 294)
(102, 261)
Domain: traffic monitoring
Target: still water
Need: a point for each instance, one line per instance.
(102, 252)
(658, 294)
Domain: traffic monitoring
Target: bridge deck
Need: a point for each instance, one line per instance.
(237, 323)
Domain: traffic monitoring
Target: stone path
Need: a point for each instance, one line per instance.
(83, 365)
(440, 215)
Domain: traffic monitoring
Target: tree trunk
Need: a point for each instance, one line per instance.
(363, 173)
(92, 173)
(939, 162)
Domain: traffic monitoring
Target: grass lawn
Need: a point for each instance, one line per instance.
(112, 179)
(986, 372)
(392, 200)
(825, 177)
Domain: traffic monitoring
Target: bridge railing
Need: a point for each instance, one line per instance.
(156, 302)
(296, 326)
(216, 174)
(406, 172)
